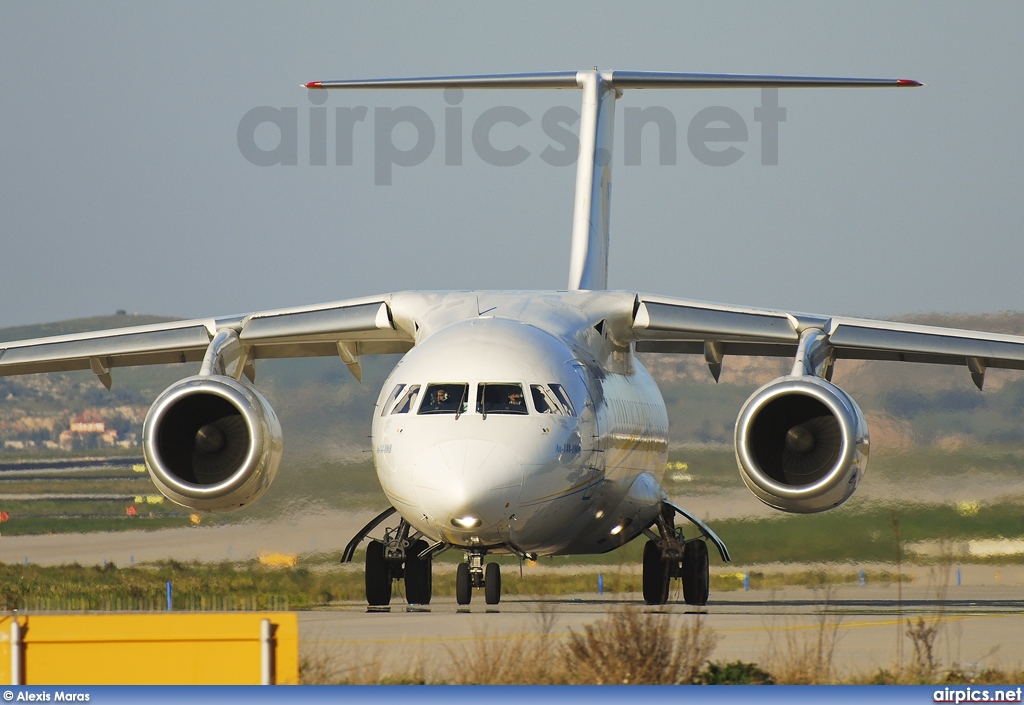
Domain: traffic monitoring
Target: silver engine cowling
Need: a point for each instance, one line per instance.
(802, 444)
(212, 443)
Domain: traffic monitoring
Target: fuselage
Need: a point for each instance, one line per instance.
(517, 424)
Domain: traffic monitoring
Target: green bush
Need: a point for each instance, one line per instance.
(735, 673)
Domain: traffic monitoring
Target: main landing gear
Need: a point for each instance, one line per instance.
(671, 556)
(401, 555)
(474, 574)
(386, 563)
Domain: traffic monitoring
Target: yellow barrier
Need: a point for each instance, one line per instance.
(138, 649)
(278, 560)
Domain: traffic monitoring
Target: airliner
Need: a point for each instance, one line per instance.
(522, 422)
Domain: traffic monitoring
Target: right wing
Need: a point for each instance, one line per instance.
(663, 324)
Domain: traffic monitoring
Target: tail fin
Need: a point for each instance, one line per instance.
(588, 257)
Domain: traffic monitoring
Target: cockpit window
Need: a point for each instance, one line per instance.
(408, 401)
(546, 402)
(500, 398)
(445, 399)
(388, 405)
(563, 397)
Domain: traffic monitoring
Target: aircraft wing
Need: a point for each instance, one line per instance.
(662, 324)
(346, 328)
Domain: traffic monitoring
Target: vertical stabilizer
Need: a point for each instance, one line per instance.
(588, 256)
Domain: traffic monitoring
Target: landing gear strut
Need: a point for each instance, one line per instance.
(473, 574)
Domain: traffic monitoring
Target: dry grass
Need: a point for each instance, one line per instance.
(626, 646)
(513, 660)
(360, 668)
(802, 656)
(633, 647)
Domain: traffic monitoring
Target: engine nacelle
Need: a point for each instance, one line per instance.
(802, 444)
(212, 443)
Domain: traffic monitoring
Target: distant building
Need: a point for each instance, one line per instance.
(89, 422)
(87, 431)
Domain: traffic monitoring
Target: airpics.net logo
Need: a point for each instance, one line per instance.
(715, 136)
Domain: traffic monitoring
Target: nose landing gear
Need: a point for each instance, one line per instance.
(473, 574)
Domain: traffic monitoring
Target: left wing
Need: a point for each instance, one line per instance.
(662, 324)
(345, 328)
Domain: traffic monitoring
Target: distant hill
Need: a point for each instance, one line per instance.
(905, 404)
(80, 325)
(325, 412)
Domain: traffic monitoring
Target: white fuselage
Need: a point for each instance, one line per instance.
(571, 466)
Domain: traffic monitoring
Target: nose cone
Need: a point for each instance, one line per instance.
(468, 487)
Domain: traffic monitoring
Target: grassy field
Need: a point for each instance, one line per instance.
(867, 536)
(84, 500)
(315, 583)
(860, 531)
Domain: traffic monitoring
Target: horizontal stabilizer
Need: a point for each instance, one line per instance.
(588, 255)
(548, 79)
(617, 79)
(668, 79)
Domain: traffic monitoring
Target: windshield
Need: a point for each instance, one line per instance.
(446, 398)
(500, 398)
(408, 401)
(545, 401)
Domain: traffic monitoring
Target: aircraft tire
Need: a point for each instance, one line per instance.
(696, 574)
(656, 575)
(378, 576)
(463, 586)
(492, 583)
(418, 575)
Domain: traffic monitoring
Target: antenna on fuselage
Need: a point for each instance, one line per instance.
(588, 255)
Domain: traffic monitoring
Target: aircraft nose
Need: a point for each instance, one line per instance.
(468, 485)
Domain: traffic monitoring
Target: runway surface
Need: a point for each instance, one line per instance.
(979, 626)
(305, 533)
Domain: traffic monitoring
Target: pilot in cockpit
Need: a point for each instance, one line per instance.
(440, 399)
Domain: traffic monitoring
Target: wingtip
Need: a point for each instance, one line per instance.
(312, 84)
(908, 82)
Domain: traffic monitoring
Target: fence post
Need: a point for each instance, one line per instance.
(266, 653)
(169, 600)
(15, 652)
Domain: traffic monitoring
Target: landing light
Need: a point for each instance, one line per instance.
(600, 514)
(467, 522)
(616, 529)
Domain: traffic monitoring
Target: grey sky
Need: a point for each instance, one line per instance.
(122, 184)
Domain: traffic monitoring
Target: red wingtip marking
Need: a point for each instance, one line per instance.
(907, 82)
(315, 84)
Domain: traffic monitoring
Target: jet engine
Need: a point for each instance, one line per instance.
(802, 444)
(212, 443)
